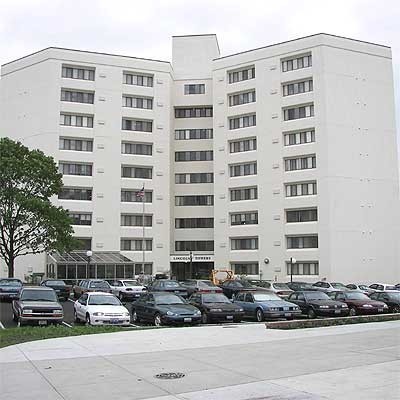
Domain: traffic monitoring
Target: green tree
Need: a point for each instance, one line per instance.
(29, 222)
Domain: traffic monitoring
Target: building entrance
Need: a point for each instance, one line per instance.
(182, 271)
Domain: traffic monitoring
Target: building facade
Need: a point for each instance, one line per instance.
(275, 161)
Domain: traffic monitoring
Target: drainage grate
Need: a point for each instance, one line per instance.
(170, 375)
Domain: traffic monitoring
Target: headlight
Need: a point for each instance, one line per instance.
(170, 313)
(215, 310)
(198, 312)
(26, 311)
(126, 314)
(240, 310)
(344, 306)
(57, 311)
(98, 314)
(367, 305)
(323, 306)
(385, 306)
(274, 309)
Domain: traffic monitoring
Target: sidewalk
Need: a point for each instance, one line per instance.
(219, 362)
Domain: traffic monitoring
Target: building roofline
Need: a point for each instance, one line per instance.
(300, 38)
(85, 51)
(199, 35)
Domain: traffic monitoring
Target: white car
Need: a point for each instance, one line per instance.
(98, 308)
(382, 287)
(129, 289)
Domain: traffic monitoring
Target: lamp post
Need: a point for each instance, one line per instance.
(191, 265)
(89, 254)
(292, 261)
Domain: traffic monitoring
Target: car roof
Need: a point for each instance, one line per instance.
(41, 288)
(102, 293)
(253, 291)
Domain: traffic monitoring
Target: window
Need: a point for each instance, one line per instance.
(84, 243)
(205, 155)
(136, 220)
(243, 169)
(194, 223)
(298, 112)
(129, 244)
(197, 88)
(137, 102)
(199, 177)
(242, 145)
(294, 138)
(75, 169)
(137, 125)
(301, 215)
(86, 74)
(249, 268)
(74, 96)
(200, 200)
(242, 75)
(80, 218)
(137, 79)
(78, 120)
(242, 122)
(136, 172)
(193, 134)
(289, 89)
(301, 189)
(244, 218)
(242, 98)
(243, 193)
(143, 149)
(250, 243)
(297, 62)
(303, 268)
(298, 163)
(76, 144)
(302, 242)
(134, 196)
(69, 193)
(146, 269)
(193, 112)
(194, 245)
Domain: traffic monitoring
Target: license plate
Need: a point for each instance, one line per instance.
(114, 321)
(337, 311)
(287, 314)
(44, 322)
(187, 319)
(380, 309)
(229, 317)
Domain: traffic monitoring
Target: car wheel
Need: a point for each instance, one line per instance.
(20, 323)
(157, 320)
(88, 320)
(396, 309)
(135, 317)
(352, 312)
(76, 318)
(204, 318)
(259, 315)
(311, 313)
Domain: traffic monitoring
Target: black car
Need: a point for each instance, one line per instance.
(314, 303)
(391, 299)
(300, 286)
(168, 286)
(216, 307)
(197, 285)
(164, 309)
(60, 287)
(10, 288)
(232, 287)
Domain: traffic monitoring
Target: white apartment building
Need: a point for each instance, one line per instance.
(248, 161)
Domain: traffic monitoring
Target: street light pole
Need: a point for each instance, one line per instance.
(89, 254)
(191, 265)
(292, 261)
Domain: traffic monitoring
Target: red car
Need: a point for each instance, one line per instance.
(359, 303)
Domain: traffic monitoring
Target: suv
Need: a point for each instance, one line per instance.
(37, 305)
(91, 285)
(61, 288)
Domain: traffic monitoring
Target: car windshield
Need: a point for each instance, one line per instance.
(266, 297)
(103, 300)
(215, 298)
(363, 287)
(394, 296)
(131, 283)
(337, 285)
(281, 286)
(99, 285)
(55, 283)
(10, 282)
(172, 284)
(306, 286)
(390, 287)
(246, 284)
(168, 299)
(316, 296)
(38, 295)
(206, 284)
(356, 296)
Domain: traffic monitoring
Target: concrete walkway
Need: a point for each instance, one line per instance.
(219, 362)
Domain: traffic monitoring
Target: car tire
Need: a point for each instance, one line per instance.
(311, 313)
(204, 318)
(396, 309)
(19, 323)
(157, 320)
(135, 317)
(352, 312)
(88, 322)
(237, 320)
(259, 315)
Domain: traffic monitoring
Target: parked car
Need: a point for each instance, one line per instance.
(60, 287)
(281, 289)
(168, 286)
(359, 303)
(397, 286)
(216, 307)
(99, 308)
(382, 287)
(196, 285)
(232, 287)
(360, 288)
(162, 308)
(298, 286)
(314, 303)
(323, 286)
(10, 288)
(91, 285)
(391, 299)
(266, 305)
(37, 305)
(126, 289)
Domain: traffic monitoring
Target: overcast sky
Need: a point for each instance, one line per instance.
(143, 28)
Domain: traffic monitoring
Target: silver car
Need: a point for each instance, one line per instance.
(126, 289)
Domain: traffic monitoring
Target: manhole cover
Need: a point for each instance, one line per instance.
(170, 375)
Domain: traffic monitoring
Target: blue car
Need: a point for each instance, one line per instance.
(266, 305)
(10, 288)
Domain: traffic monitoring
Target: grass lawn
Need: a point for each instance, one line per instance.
(30, 333)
